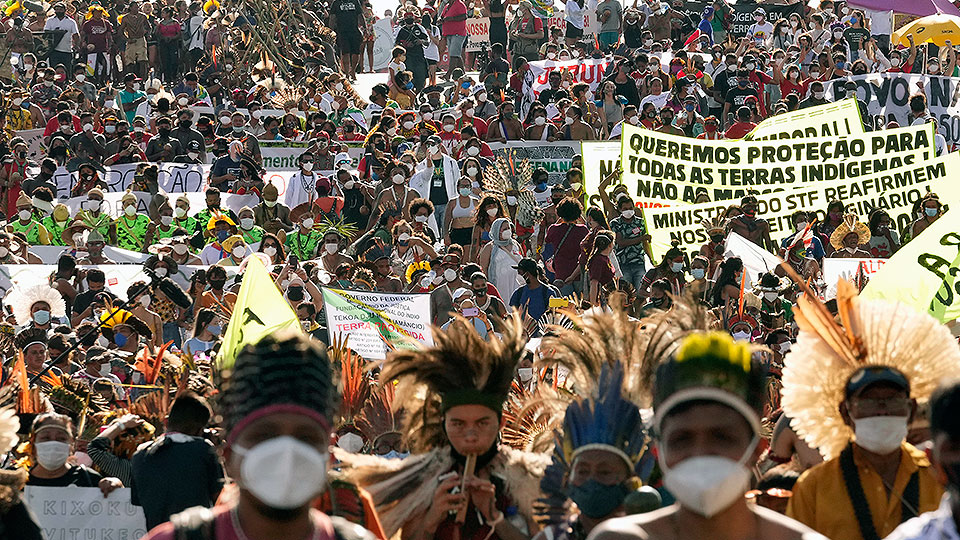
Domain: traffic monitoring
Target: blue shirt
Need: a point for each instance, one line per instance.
(130, 97)
(535, 301)
(815, 251)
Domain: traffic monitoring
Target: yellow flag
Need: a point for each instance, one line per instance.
(260, 310)
(923, 274)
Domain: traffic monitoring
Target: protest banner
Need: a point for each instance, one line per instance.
(478, 34)
(741, 18)
(36, 150)
(282, 155)
(828, 120)
(119, 277)
(835, 269)
(50, 254)
(887, 96)
(589, 70)
(756, 261)
(376, 322)
(668, 168)
(68, 513)
(600, 158)
(924, 273)
(172, 177)
(383, 43)
(555, 157)
(894, 191)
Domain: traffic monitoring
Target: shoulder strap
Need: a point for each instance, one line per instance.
(910, 503)
(861, 507)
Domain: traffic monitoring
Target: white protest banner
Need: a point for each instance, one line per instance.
(50, 254)
(588, 71)
(383, 43)
(669, 168)
(372, 320)
(831, 119)
(478, 34)
(119, 277)
(75, 513)
(848, 269)
(34, 139)
(600, 158)
(172, 177)
(894, 191)
(887, 96)
(281, 155)
(198, 202)
(756, 260)
(555, 157)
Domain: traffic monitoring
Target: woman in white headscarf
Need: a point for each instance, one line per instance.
(499, 258)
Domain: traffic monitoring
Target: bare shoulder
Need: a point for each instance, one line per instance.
(648, 526)
(776, 526)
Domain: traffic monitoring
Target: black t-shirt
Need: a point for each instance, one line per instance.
(406, 37)
(82, 302)
(438, 184)
(737, 96)
(628, 90)
(77, 475)
(348, 15)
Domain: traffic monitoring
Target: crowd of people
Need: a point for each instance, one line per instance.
(577, 384)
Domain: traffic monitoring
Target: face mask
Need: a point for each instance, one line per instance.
(818, 95)
(468, 112)
(784, 347)
(222, 235)
(52, 455)
(179, 249)
(507, 234)
(598, 500)
(295, 293)
(708, 484)
(539, 120)
(283, 472)
(628, 214)
(41, 317)
(930, 211)
(24, 215)
(392, 132)
(420, 219)
(408, 125)
(307, 166)
(880, 434)
(4, 252)
(428, 116)
(214, 329)
(105, 369)
(433, 149)
(568, 120)
(511, 200)
(741, 336)
(473, 151)
(770, 296)
(492, 211)
(270, 251)
(676, 267)
(465, 192)
(270, 204)
(130, 210)
(525, 374)
(398, 179)
(351, 442)
(481, 96)
(180, 211)
(238, 251)
(331, 248)
(449, 274)
(120, 339)
(448, 128)
(575, 186)
(895, 62)
(161, 271)
(654, 68)
(308, 223)
(246, 223)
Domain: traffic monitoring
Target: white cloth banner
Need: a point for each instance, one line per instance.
(478, 34)
(50, 254)
(75, 512)
(198, 202)
(887, 95)
(172, 177)
(588, 71)
(756, 260)
(835, 269)
(35, 147)
(372, 320)
(119, 277)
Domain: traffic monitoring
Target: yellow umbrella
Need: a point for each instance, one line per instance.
(937, 29)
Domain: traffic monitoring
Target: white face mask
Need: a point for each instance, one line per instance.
(270, 251)
(449, 274)
(698, 273)
(52, 455)
(492, 211)
(161, 271)
(408, 125)
(308, 223)
(472, 171)
(427, 116)
(628, 213)
(634, 120)
(507, 234)
(166, 221)
(307, 166)
(525, 374)
(741, 336)
(708, 484)
(239, 251)
(539, 120)
(270, 204)
(331, 247)
(4, 252)
(895, 62)
(41, 317)
(568, 120)
(105, 369)
(575, 186)
(448, 127)
(180, 211)
(770, 296)
(179, 249)
(785, 347)
(283, 472)
(481, 96)
(469, 112)
(24, 215)
(130, 210)
(801, 225)
(421, 219)
(880, 434)
(511, 200)
(473, 151)
(348, 185)
(433, 149)
(351, 442)
(398, 179)
(818, 95)
(145, 301)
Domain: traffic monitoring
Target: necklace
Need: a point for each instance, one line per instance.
(235, 521)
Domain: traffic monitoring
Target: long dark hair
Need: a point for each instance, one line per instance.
(204, 318)
(728, 273)
(603, 240)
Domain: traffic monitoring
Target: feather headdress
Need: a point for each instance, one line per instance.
(460, 368)
(21, 299)
(871, 333)
(716, 224)
(850, 224)
(379, 416)
(504, 175)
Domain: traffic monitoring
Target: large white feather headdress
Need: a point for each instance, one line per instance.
(21, 299)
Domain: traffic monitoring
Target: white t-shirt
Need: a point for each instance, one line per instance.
(68, 24)
(574, 14)
(760, 33)
(196, 32)
(431, 52)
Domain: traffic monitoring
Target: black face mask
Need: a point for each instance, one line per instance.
(217, 284)
(716, 238)
(185, 124)
(295, 293)
(164, 131)
(380, 145)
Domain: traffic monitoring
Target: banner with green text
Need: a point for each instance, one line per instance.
(831, 119)
(377, 322)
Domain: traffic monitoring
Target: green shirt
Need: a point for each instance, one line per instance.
(304, 246)
(252, 236)
(56, 231)
(35, 232)
(132, 234)
(189, 224)
(160, 234)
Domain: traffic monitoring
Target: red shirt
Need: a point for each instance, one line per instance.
(739, 129)
(787, 86)
(98, 34)
(760, 80)
(454, 28)
(53, 125)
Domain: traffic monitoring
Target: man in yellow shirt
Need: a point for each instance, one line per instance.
(851, 390)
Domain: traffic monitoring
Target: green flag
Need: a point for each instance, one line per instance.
(924, 273)
(260, 310)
